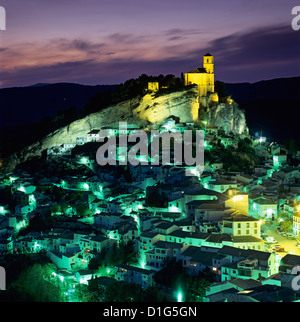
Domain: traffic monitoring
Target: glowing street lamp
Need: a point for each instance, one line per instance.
(84, 160)
(236, 198)
(179, 296)
(85, 186)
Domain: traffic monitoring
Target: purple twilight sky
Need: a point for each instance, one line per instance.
(109, 41)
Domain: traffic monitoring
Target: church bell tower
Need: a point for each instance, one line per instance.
(208, 65)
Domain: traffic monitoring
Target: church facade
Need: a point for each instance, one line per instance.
(202, 76)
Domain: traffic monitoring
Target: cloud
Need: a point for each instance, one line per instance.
(251, 55)
(89, 71)
(263, 52)
(78, 44)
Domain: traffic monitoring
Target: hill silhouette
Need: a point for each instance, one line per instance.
(272, 107)
(29, 113)
(25, 105)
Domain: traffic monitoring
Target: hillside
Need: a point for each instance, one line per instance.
(26, 105)
(272, 107)
(139, 111)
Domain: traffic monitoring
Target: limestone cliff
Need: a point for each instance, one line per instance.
(151, 108)
(228, 117)
(156, 108)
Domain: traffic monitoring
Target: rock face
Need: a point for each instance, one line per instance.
(229, 117)
(68, 134)
(183, 104)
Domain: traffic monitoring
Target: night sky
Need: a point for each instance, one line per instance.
(109, 41)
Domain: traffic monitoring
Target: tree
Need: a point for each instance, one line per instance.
(123, 292)
(33, 284)
(94, 292)
(36, 223)
(286, 225)
(292, 146)
(152, 294)
(83, 210)
(245, 145)
(196, 288)
(171, 275)
(220, 88)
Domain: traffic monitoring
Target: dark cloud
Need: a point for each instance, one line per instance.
(90, 71)
(122, 38)
(175, 38)
(78, 44)
(249, 56)
(265, 52)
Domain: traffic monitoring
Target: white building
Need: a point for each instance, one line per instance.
(265, 207)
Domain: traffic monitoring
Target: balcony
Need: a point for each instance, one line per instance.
(246, 272)
(245, 267)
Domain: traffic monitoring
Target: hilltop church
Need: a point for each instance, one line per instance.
(202, 76)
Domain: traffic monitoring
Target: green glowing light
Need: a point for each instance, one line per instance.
(179, 296)
(85, 186)
(84, 160)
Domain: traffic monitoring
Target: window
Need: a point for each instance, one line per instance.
(248, 225)
(239, 225)
(247, 232)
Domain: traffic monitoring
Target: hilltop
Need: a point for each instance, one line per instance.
(262, 104)
(151, 108)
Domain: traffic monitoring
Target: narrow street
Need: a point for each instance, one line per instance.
(289, 245)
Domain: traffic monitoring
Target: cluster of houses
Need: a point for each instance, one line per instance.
(208, 223)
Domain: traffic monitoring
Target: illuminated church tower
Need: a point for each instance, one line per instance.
(203, 77)
(208, 65)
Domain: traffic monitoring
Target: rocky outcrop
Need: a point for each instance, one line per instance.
(151, 108)
(68, 134)
(228, 117)
(182, 104)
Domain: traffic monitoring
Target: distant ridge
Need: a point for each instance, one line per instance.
(24, 105)
(271, 106)
(39, 84)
